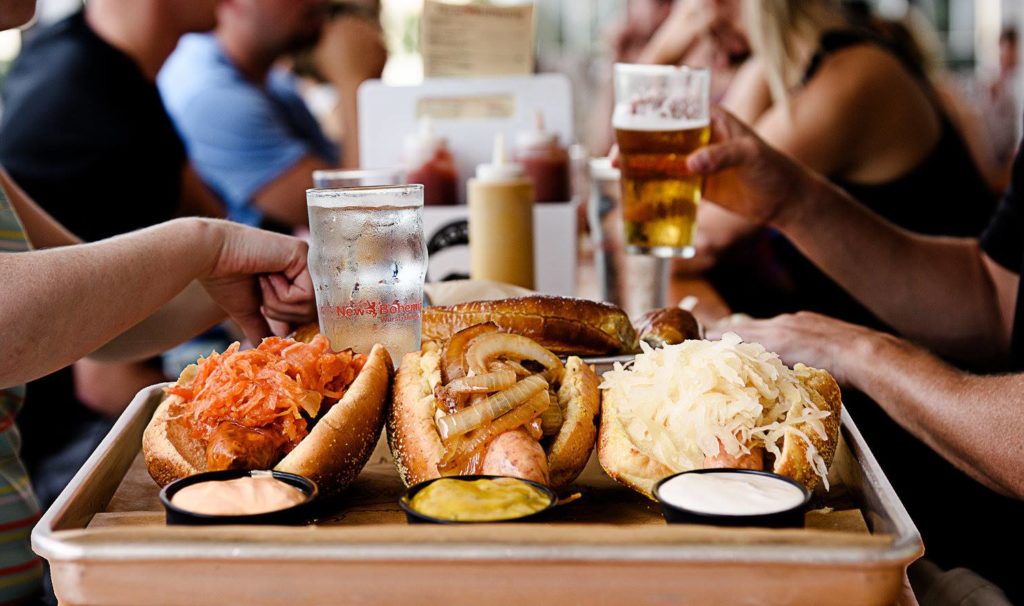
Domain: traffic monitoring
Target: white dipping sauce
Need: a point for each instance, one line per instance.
(730, 493)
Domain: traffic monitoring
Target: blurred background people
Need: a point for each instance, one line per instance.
(353, 49)
(85, 133)
(856, 106)
(697, 33)
(1002, 112)
(248, 131)
(629, 36)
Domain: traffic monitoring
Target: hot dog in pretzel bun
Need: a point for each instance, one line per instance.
(564, 325)
(721, 403)
(489, 402)
(286, 405)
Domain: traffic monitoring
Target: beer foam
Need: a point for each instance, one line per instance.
(625, 119)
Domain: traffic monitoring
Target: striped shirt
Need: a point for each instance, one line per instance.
(20, 569)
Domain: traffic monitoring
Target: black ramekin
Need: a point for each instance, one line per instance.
(300, 513)
(415, 517)
(787, 518)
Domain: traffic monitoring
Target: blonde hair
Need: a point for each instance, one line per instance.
(772, 26)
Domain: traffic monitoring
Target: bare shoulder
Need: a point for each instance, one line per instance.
(862, 74)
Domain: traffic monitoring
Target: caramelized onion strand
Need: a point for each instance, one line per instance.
(486, 383)
(461, 449)
(488, 347)
(479, 414)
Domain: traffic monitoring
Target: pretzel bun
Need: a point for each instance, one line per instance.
(635, 463)
(417, 446)
(332, 454)
(667, 326)
(563, 325)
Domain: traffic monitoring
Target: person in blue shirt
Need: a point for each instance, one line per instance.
(246, 129)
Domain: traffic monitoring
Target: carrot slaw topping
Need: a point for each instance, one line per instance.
(269, 386)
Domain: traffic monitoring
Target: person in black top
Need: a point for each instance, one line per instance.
(84, 131)
(85, 134)
(857, 107)
(958, 297)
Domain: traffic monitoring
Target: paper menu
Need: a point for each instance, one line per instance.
(478, 39)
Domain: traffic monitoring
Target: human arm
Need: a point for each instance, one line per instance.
(860, 118)
(190, 312)
(972, 421)
(941, 292)
(247, 150)
(748, 98)
(283, 198)
(63, 303)
(351, 51)
(107, 388)
(196, 199)
(691, 21)
(43, 231)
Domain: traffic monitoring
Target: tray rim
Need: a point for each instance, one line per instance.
(65, 546)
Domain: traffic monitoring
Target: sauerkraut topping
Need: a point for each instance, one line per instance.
(682, 403)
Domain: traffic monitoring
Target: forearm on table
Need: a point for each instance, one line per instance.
(932, 290)
(669, 45)
(63, 303)
(188, 314)
(108, 388)
(972, 421)
(347, 116)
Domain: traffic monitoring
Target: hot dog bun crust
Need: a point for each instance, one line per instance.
(332, 455)
(629, 465)
(417, 447)
(563, 325)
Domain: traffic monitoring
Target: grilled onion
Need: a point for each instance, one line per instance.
(453, 358)
(551, 419)
(486, 383)
(516, 367)
(480, 414)
(462, 447)
(491, 346)
(535, 429)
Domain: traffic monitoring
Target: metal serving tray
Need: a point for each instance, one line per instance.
(107, 544)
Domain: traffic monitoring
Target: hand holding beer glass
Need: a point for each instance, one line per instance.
(661, 116)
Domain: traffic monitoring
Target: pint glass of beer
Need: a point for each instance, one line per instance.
(661, 116)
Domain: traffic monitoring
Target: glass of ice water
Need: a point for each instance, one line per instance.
(368, 259)
(362, 177)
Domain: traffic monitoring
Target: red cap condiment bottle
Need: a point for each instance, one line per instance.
(545, 162)
(429, 163)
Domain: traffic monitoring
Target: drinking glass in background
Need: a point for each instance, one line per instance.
(636, 283)
(661, 116)
(368, 259)
(335, 178)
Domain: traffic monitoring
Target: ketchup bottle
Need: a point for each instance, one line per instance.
(430, 164)
(545, 162)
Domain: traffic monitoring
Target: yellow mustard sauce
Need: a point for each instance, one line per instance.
(479, 500)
